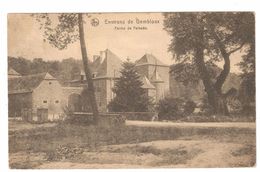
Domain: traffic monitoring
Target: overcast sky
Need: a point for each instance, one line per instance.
(26, 40)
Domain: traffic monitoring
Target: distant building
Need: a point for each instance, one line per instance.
(13, 74)
(39, 97)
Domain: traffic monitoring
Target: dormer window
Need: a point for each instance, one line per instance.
(94, 75)
(81, 77)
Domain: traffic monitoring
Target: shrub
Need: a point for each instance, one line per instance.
(189, 107)
(170, 108)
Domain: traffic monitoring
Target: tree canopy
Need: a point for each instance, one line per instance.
(201, 39)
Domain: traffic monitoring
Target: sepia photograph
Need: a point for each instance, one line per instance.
(131, 90)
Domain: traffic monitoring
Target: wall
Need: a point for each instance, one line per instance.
(49, 95)
(163, 71)
(164, 74)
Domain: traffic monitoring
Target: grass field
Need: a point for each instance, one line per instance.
(135, 145)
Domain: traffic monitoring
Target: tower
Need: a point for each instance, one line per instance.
(158, 84)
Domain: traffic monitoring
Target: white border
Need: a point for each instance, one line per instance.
(27, 6)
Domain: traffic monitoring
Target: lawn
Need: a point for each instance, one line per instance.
(135, 145)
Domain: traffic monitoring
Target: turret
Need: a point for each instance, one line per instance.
(158, 84)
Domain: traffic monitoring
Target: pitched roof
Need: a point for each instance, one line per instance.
(11, 71)
(146, 83)
(149, 59)
(49, 77)
(27, 83)
(156, 77)
(110, 67)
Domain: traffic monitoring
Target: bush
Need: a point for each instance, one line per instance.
(170, 108)
(189, 107)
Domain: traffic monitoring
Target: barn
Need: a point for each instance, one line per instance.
(36, 97)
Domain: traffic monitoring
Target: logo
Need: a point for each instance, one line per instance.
(94, 22)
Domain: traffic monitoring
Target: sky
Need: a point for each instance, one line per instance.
(25, 39)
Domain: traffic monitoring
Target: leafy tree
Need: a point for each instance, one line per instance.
(204, 38)
(247, 65)
(20, 64)
(130, 96)
(38, 66)
(69, 28)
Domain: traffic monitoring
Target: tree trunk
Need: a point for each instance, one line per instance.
(215, 97)
(90, 85)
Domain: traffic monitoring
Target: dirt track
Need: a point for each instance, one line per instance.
(198, 145)
(250, 125)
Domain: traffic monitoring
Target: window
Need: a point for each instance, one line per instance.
(57, 101)
(99, 103)
(94, 75)
(44, 101)
(50, 83)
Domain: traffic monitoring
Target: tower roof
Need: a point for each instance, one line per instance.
(49, 77)
(149, 59)
(111, 65)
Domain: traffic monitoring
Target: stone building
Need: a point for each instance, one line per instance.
(39, 97)
(44, 98)
(106, 70)
(156, 74)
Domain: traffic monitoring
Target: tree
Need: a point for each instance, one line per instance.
(202, 39)
(20, 64)
(69, 29)
(130, 96)
(247, 87)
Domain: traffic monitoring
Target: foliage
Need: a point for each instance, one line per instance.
(64, 152)
(170, 108)
(130, 96)
(59, 30)
(187, 73)
(247, 87)
(65, 70)
(231, 28)
(204, 38)
(189, 107)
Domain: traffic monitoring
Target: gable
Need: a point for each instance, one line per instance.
(110, 67)
(27, 83)
(149, 59)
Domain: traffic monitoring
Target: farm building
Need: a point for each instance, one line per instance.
(106, 70)
(36, 97)
(41, 97)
